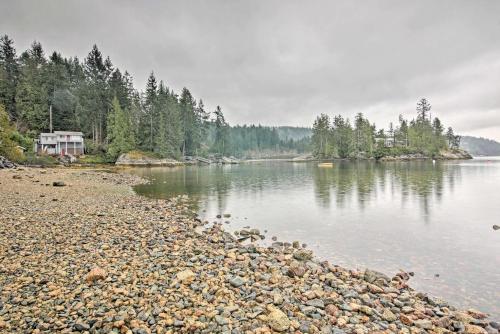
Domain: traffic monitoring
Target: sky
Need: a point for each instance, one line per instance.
(285, 62)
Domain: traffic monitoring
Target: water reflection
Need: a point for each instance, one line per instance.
(343, 185)
(364, 181)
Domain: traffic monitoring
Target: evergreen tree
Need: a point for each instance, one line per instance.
(95, 99)
(189, 123)
(221, 132)
(321, 137)
(9, 72)
(150, 117)
(120, 136)
(32, 100)
(342, 134)
(423, 109)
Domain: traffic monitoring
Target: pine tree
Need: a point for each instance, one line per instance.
(9, 74)
(189, 122)
(321, 137)
(120, 136)
(221, 132)
(32, 100)
(423, 108)
(148, 123)
(96, 100)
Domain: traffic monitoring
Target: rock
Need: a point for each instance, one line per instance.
(95, 274)
(387, 315)
(331, 309)
(58, 184)
(376, 277)
(496, 227)
(473, 329)
(316, 303)
(277, 299)
(80, 326)
(423, 323)
(141, 159)
(221, 320)
(236, 281)
(296, 270)
(227, 215)
(302, 255)
(477, 314)
(490, 330)
(405, 320)
(495, 325)
(185, 276)
(278, 320)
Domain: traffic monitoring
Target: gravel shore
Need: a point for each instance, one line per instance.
(81, 253)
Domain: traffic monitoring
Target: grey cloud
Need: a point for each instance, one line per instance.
(284, 62)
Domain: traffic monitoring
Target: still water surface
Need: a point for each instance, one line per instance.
(433, 219)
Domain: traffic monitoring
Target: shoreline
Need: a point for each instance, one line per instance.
(92, 256)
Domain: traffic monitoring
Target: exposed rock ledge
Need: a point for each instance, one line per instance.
(128, 159)
(443, 155)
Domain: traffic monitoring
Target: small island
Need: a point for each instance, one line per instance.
(421, 138)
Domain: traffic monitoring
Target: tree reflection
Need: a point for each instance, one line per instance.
(417, 180)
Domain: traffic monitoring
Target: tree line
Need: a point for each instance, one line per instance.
(338, 138)
(97, 98)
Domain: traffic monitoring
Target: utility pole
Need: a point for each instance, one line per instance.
(50, 118)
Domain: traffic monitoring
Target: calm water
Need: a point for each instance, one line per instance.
(435, 220)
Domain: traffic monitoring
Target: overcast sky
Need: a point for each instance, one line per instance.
(285, 62)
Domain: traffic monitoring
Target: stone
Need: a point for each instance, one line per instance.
(80, 326)
(387, 315)
(318, 303)
(375, 277)
(302, 255)
(405, 319)
(477, 314)
(496, 227)
(473, 329)
(423, 323)
(296, 270)
(185, 276)
(236, 281)
(221, 320)
(95, 274)
(58, 184)
(278, 320)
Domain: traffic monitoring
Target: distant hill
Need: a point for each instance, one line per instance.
(480, 146)
(292, 132)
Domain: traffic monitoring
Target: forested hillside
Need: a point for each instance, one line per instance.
(480, 146)
(96, 97)
(423, 135)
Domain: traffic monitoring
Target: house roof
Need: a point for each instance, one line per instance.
(69, 133)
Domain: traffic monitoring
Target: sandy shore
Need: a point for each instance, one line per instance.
(92, 257)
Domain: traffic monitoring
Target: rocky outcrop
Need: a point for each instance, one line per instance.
(454, 155)
(128, 159)
(443, 155)
(5, 163)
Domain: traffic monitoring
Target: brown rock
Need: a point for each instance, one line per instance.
(473, 329)
(406, 320)
(95, 274)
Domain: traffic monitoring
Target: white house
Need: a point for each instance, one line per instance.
(60, 143)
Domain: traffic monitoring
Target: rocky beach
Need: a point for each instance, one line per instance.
(80, 252)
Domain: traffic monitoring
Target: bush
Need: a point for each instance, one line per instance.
(39, 160)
